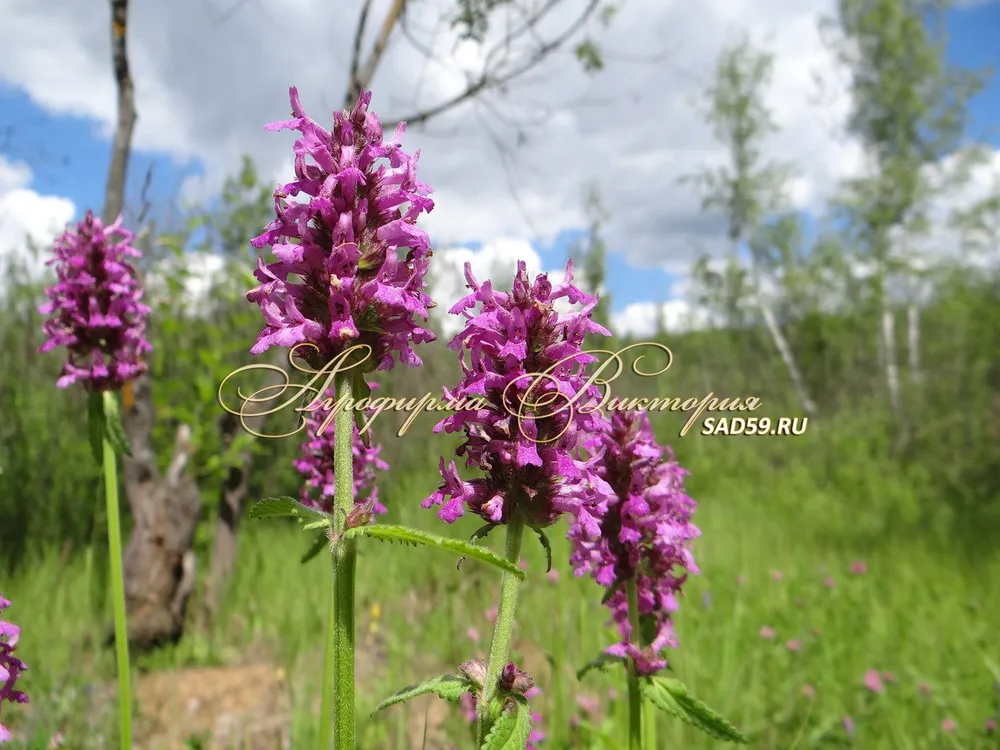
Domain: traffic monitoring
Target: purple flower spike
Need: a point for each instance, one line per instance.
(526, 436)
(317, 465)
(94, 307)
(10, 666)
(645, 534)
(359, 199)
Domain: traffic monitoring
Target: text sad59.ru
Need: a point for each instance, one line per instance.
(754, 426)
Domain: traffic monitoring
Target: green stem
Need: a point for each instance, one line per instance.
(344, 566)
(634, 697)
(118, 593)
(503, 630)
(326, 705)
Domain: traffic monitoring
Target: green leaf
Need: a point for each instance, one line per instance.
(389, 533)
(547, 547)
(481, 533)
(511, 729)
(612, 591)
(286, 507)
(589, 55)
(449, 687)
(315, 548)
(95, 421)
(672, 697)
(113, 425)
(600, 664)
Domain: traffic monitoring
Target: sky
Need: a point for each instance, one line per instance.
(210, 73)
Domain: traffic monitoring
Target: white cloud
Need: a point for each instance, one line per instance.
(27, 217)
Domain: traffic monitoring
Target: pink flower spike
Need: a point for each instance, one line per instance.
(948, 725)
(777, 575)
(991, 726)
(553, 576)
(491, 615)
(829, 582)
(794, 645)
(472, 634)
(873, 681)
(858, 568)
(767, 633)
(924, 689)
(809, 691)
(889, 677)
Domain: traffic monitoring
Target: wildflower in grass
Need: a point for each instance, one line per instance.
(948, 725)
(829, 582)
(645, 537)
(777, 575)
(991, 726)
(740, 580)
(526, 453)
(96, 312)
(848, 724)
(767, 633)
(491, 615)
(889, 677)
(10, 666)
(348, 275)
(553, 576)
(523, 564)
(809, 691)
(794, 645)
(317, 466)
(343, 243)
(472, 634)
(95, 307)
(924, 689)
(589, 704)
(512, 682)
(858, 568)
(873, 681)
(612, 694)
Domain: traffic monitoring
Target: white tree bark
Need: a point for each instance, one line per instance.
(889, 351)
(785, 351)
(913, 341)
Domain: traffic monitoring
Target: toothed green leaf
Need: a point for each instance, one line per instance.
(113, 426)
(672, 697)
(287, 507)
(511, 729)
(405, 535)
(449, 687)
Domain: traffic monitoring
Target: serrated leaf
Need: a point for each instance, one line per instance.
(95, 423)
(287, 507)
(547, 547)
(600, 664)
(672, 697)
(315, 548)
(447, 686)
(113, 426)
(405, 535)
(511, 729)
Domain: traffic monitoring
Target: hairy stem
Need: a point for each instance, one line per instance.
(634, 697)
(344, 564)
(504, 628)
(118, 592)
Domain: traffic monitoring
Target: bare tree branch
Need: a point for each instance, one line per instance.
(114, 190)
(491, 76)
(353, 89)
(362, 78)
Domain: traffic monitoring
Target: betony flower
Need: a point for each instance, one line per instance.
(512, 681)
(317, 465)
(948, 725)
(525, 436)
(10, 666)
(848, 723)
(645, 534)
(858, 567)
(767, 633)
(342, 240)
(873, 681)
(95, 307)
